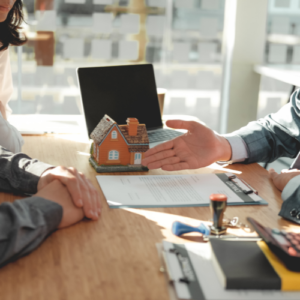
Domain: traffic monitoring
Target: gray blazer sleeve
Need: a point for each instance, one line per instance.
(19, 173)
(276, 135)
(24, 224)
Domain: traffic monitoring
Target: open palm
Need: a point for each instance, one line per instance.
(197, 148)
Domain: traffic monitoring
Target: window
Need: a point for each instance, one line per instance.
(181, 38)
(114, 135)
(113, 155)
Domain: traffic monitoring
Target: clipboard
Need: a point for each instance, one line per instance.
(184, 190)
(179, 272)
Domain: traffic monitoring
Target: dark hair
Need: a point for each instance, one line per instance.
(9, 34)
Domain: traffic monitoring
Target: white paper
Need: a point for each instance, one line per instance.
(200, 255)
(163, 190)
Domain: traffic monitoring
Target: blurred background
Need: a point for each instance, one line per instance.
(183, 39)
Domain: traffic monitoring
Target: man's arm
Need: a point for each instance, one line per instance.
(19, 173)
(23, 175)
(24, 224)
(276, 135)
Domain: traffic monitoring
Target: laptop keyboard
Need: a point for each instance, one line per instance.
(162, 135)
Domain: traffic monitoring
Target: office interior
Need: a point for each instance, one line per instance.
(214, 65)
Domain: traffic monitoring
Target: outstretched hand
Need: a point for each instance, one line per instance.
(281, 180)
(197, 148)
(83, 193)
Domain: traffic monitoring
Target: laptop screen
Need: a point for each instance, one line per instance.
(120, 92)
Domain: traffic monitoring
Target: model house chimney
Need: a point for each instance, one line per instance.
(132, 124)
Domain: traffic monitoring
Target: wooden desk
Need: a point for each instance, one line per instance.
(115, 257)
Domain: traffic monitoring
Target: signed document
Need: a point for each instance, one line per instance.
(171, 190)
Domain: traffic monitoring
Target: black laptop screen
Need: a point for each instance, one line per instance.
(120, 92)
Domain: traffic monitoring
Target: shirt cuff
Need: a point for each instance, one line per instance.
(290, 188)
(38, 168)
(238, 148)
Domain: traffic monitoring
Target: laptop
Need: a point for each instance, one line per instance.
(122, 92)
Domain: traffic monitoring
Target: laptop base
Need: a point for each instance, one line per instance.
(118, 168)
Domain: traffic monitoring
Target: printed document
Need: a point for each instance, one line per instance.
(165, 190)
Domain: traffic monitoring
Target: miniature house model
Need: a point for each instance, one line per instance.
(119, 148)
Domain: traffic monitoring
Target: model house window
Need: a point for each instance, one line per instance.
(114, 135)
(113, 155)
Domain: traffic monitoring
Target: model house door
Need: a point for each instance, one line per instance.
(137, 158)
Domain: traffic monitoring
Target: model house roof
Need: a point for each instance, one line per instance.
(137, 143)
(102, 129)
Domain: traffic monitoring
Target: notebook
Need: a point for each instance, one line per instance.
(251, 265)
(122, 92)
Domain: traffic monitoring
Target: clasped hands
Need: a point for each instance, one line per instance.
(198, 148)
(73, 191)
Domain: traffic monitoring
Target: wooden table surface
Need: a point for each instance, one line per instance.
(115, 257)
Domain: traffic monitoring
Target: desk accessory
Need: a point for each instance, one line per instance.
(242, 265)
(179, 228)
(118, 148)
(186, 265)
(285, 245)
(218, 203)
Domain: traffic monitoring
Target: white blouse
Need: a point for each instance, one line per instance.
(10, 137)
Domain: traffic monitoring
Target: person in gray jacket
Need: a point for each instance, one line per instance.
(276, 135)
(25, 223)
